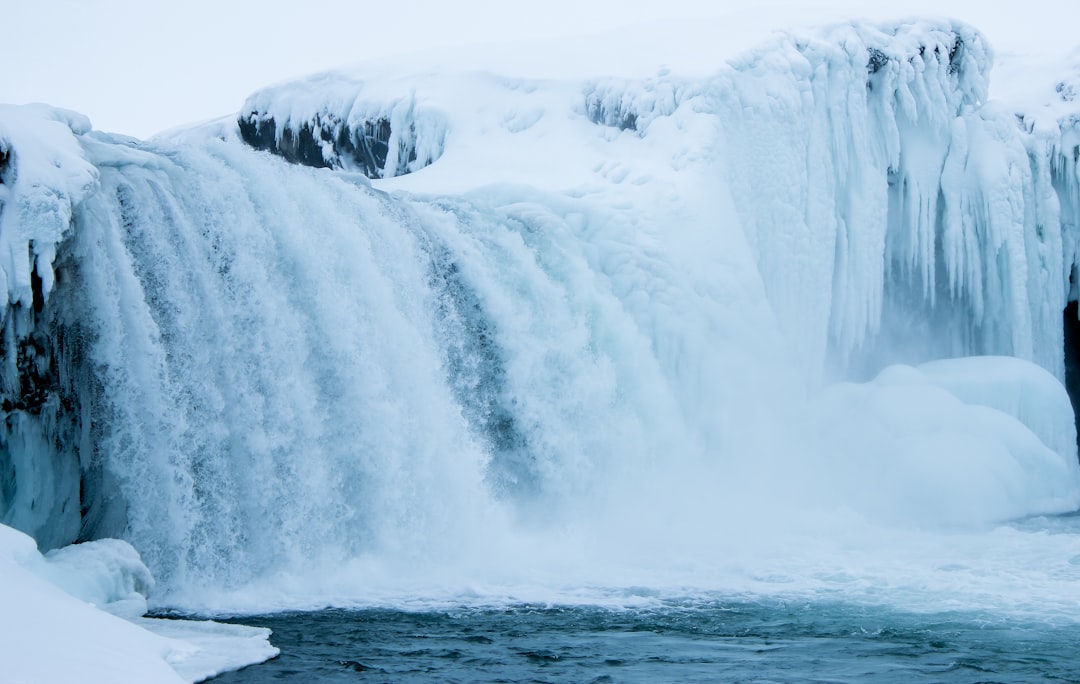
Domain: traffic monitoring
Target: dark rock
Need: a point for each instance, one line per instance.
(5, 161)
(1072, 359)
(328, 142)
(617, 116)
(877, 60)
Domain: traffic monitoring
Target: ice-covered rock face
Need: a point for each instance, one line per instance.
(632, 106)
(336, 126)
(324, 144)
(43, 178)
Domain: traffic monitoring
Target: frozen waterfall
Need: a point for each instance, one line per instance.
(554, 305)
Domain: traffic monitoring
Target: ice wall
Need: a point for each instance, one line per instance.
(43, 177)
(923, 218)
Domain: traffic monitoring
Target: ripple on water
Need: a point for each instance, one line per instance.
(752, 642)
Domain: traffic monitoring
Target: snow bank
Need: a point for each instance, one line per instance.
(54, 626)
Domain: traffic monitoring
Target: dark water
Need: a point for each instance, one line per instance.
(742, 642)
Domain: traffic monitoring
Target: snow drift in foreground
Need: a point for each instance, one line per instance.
(481, 338)
(60, 624)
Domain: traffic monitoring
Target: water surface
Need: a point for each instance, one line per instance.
(761, 641)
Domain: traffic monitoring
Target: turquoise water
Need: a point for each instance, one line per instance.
(761, 641)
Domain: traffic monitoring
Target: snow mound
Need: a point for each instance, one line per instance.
(51, 631)
(1013, 386)
(968, 441)
(107, 573)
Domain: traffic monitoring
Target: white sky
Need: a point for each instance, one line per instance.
(141, 66)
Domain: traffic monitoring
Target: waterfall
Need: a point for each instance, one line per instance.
(254, 369)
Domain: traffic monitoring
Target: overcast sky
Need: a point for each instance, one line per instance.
(141, 66)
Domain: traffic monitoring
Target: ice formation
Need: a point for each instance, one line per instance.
(480, 308)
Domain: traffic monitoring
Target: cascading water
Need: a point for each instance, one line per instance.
(292, 367)
(276, 391)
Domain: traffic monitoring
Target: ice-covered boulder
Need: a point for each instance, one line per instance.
(333, 122)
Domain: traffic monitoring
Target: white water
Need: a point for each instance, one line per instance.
(295, 372)
(607, 386)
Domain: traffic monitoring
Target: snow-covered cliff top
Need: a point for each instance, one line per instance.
(526, 114)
